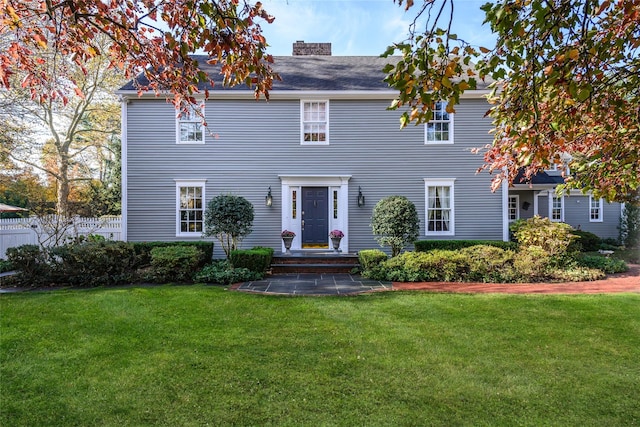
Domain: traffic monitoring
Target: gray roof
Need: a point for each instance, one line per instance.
(314, 73)
(539, 178)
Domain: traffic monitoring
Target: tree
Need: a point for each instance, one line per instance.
(565, 81)
(229, 219)
(395, 223)
(630, 224)
(69, 136)
(146, 36)
(25, 189)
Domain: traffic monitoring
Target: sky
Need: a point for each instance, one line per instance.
(360, 27)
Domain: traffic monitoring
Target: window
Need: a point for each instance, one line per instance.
(440, 207)
(595, 209)
(556, 207)
(315, 122)
(514, 212)
(439, 130)
(190, 207)
(189, 127)
(294, 204)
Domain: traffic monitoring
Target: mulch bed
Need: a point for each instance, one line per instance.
(621, 282)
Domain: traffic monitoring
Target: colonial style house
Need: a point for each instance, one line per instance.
(318, 156)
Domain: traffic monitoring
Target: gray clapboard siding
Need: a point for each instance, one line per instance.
(257, 141)
(576, 213)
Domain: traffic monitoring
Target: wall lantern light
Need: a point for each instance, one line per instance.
(268, 200)
(360, 197)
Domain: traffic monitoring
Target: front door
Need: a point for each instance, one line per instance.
(315, 217)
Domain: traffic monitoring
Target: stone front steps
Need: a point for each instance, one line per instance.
(313, 261)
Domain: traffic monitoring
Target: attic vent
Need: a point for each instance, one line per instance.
(300, 48)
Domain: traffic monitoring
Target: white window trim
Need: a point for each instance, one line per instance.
(327, 106)
(181, 119)
(445, 182)
(189, 183)
(451, 128)
(338, 183)
(600, 210)
(552, 195)
(517, 199)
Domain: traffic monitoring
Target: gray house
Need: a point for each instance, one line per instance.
(318, 156)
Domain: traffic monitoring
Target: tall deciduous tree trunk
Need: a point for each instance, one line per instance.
(62, 187)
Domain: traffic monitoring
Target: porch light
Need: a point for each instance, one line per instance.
(360, 197)
(268, 200)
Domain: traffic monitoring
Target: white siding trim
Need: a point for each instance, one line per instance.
(298, 94)
(505, 211)
(190, 183)
(123, 166)
(551, 196)
(339, 183)
(443, 182)
(600, 210)
(302, 122)
(202, 127)
(451, 130)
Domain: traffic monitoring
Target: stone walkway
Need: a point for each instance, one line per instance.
(313, 284)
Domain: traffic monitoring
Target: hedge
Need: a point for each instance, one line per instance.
(257, 259)
(454, 245)
(143, 250)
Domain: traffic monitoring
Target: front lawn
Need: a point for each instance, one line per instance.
(200, 355)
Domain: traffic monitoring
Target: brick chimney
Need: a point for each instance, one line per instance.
(300, 48)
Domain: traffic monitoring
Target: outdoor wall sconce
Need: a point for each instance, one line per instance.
(268, 200)
(360, 197)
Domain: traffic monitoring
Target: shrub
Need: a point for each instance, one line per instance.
(143, 250)
(452, 245)
(229, 219)
(175, 263)
(447, 266)
(552, 237)
(586, 241)
(222, 273)
(5, 266)
(531, 264)
(488, 264)
(395, 223)
(31, 262)
(257, 259)
(629, 227)
(575, 274)
(94, 263)
(370, 258)
(604, 264)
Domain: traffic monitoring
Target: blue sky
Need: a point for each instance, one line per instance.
(360, 27)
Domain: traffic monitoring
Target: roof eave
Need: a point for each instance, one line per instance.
(295, 94)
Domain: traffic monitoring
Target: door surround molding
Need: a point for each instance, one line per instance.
(291, 183)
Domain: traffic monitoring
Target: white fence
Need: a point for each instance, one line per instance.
(53, 230)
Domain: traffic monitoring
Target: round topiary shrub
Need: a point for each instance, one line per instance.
(229, 219)
(395, 223)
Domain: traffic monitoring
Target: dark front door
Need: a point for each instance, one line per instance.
(315, 217)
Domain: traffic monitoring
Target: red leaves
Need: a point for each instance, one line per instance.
(566, 85)
(222, 29)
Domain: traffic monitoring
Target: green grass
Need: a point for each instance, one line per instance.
(198, 355)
